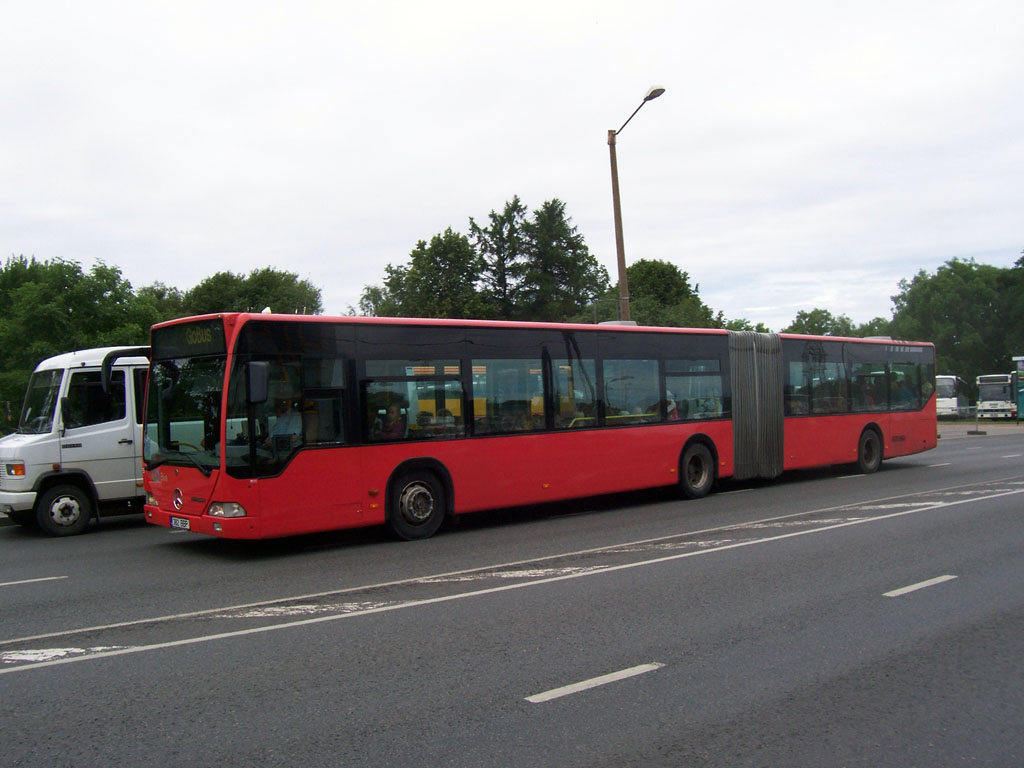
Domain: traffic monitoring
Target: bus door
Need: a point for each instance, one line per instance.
(310, 473)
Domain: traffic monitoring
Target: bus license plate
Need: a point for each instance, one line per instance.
(180, 522)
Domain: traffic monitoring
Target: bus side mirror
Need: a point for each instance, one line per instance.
(257, 381)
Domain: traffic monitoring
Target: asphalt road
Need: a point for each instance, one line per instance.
(822, 619)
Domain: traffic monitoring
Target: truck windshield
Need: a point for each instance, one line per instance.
(183, 413)
(40, 402)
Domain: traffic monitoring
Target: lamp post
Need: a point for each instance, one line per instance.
(620, 249)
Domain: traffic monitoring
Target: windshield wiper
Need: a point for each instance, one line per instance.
(196, 462)
(199, 465)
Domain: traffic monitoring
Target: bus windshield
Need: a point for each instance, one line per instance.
(945, 386)
(183, 412)
(40, 403)
(994, 391)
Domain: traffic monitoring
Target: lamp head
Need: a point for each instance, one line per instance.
(654, 92)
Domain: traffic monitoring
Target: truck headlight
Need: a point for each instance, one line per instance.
(225, 509)
(16, 469)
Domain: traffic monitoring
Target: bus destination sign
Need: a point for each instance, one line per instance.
(205, 337)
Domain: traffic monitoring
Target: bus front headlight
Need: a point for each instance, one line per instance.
(226, 509)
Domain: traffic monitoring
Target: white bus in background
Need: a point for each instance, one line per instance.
(78, 446)
(951, 398)
(997, 396)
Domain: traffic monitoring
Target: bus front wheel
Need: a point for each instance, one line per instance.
(696, 471)
(417, 506)
(869, 451)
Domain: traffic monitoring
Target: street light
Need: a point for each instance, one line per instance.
(620, 249)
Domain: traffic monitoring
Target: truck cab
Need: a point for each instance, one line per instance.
(77, 450)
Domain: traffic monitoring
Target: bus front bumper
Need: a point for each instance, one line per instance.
(227, 527)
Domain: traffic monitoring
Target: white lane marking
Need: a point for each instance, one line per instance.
(491, 590)
(498, 566)
(930, 466)
(32, 581)
(1013, 456)
(46, 654)
(849, 477)
(919, 585)
(594, 682)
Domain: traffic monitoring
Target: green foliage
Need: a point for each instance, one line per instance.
(502, 246)
(516, 268)
(282, 291)
(742, 324)
(560, 275)
(52, 307)
(660, 295)
(970, 311)
(821, 322)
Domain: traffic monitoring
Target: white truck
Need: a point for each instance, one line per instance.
(78, 446)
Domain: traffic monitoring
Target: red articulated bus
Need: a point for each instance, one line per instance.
(263, 425)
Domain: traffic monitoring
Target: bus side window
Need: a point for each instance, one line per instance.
(795, 391)
(508, 396)
(631, 392)
(575, 393)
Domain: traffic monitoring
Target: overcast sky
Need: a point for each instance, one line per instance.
(804, 154)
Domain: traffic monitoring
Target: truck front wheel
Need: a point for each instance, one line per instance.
(63, 510)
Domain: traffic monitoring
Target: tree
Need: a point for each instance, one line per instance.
(660, 295)
(560, 276)
(440, 280)
(1011, 291)
(168, 302)
(282, 291)
(501, 245)
(962, 308)
(516, 269)
(821, 322)
(53, 307)
(742, 324)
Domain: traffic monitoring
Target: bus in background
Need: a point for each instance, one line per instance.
(951, 398)
(997, 396)
(78, 445)
(262, 426)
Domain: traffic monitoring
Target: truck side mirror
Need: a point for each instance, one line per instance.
(257, 381)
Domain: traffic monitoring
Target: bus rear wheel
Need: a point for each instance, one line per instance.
(417, 506)
(64, 510)
(696, 471)
(869, 452)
